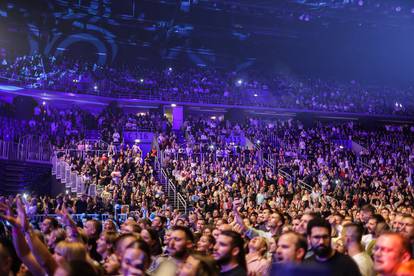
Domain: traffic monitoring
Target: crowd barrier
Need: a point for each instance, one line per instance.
(119, 218)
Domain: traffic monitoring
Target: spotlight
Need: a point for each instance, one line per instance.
(360, 3)
(95, 87)
(170, 69)
(137, 141)
(341, 147)
(239, 82)
(173, 105)
(211, 147)
(258, 142)
(255, 95)
(43, 103)
(141, 80)
(213, 117)
(25, 196)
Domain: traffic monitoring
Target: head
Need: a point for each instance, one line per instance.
(200, 225)
(319, 237)
(198, 265)
(181, 242)
(291, 248)
(353, 234)
(136, 259)
(158, 222)
(130, 226)
(122, 242)
(367, 211)
(295, 224)
(56, 236)
(276, 220)
(304, 220)
(109, 226)
(93, 228)
(390, 251)
(69, 251)
(106, 242)
(48, 225)
(229, 248)
(372, 223)
(205, 244)
(151, 237)
(407, 227)
(258, 245)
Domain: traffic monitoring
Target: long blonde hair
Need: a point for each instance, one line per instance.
(71, 250)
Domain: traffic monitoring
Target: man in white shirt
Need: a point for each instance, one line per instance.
(353, 235)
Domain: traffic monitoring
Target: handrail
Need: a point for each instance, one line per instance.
(304, 185)
(121, 217)
(177, 197)
(26, 150)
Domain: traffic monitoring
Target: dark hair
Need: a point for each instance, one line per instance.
(121, 237)
(156, 248)
(110, 238)
(188, 233)
(53, 222)
(79, 267)
(378, 218)
(98, 227)
(368, 208)
(237, 241)
(142, 245)
(300, 240)
(318, 222)
(359, 230)
(206, 266)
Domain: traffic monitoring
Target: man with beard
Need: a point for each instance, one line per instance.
(229, 254)
(407, 230)
(180, 245)
(370, 227)
(319, 238)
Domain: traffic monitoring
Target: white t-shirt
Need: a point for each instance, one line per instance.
(365, 264)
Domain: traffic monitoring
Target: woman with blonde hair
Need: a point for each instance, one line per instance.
(69, 251)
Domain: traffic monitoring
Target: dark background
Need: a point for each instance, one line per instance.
(372, 42)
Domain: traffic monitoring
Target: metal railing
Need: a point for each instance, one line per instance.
(304, 185)
(72, 180)
(118, 217)
(178, 200)
(27, 149)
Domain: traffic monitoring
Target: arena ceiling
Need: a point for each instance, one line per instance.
(220, 33)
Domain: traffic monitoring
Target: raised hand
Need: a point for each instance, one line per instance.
(64, 216)
(21, 214)
(7, 214)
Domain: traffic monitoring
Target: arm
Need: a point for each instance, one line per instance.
(37, 247)
(250, 232)
(20, 244)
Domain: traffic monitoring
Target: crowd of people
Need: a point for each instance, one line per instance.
(353, 215)
(206, 85)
